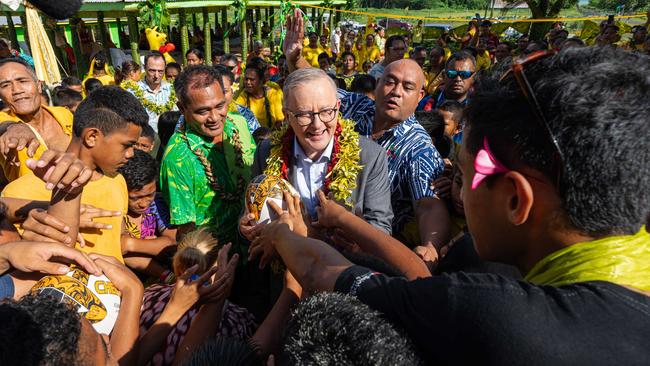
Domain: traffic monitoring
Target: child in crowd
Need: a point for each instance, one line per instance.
(68, 98)
(197, 253)
(451, 113)
(364, 84)
(147, 232)
(91, 85)
(348, 69)
(147, 140)
(366, 67)
(106, 126)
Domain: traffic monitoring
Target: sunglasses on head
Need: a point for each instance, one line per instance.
(452, 74)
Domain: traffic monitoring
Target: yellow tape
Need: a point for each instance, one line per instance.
(464, 20)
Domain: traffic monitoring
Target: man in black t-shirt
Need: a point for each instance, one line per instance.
(556, 182)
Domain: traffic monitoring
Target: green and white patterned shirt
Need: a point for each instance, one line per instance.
(185, 185)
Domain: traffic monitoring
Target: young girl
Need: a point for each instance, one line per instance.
(348, 69)
(147, 233)
(197, 252)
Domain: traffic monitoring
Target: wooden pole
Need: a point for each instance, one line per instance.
(244, 38)
(207, 47)
(185, 44)
(258, 24)
(12, 30)
(103, 34)
(76, 46)
(134, 34)
(224, 27)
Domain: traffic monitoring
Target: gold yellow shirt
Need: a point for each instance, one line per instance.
(311, 54)
(483, 61)
(106, 192)
(61, 115)
(257, 106)
(371, 54)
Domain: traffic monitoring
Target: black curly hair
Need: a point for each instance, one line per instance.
(337, 329)
(139, 170)
(39, 330)
(224, 351)
(595, 102)
(194, 77)
(118, 100)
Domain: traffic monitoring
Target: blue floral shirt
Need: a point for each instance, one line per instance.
(413, 161)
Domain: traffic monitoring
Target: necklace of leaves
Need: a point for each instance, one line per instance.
(220, 192)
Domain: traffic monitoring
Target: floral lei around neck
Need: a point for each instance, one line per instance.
(156, 108)
(343, 168)
(207, 166)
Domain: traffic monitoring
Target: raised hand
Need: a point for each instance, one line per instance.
(294, 216)
(293, 40)
(329, 212)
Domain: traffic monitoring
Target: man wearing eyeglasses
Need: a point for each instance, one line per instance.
(395, 50)
(421, 219)
(312, 110)
(460, 72)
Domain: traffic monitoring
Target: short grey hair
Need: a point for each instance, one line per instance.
(304, 77)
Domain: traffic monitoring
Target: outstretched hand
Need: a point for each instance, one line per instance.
(293, 40)
(17, 137)
(329, 212)
(61, 170)
(294, 216)
(49, 258)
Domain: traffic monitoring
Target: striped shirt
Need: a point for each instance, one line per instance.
(413, 161)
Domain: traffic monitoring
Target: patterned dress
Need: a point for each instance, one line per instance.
(154, 220)
(236, 322)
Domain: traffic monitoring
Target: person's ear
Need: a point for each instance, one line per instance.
(91, 136)
(39, 86)
(520, 198)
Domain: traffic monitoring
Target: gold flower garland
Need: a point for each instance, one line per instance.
(156, 108)
(342, 178)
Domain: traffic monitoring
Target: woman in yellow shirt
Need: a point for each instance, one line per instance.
(263, 101)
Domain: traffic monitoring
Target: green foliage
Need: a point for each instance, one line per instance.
(630, 5)
(154, 13)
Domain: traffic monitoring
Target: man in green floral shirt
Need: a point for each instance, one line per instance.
(207, 163)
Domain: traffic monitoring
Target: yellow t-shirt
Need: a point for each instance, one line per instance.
(259, 109)
(483, 61)
(11, 172)
(311, 54)
(107, 193)
(371, 54)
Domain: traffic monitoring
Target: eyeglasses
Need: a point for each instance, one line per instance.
(326, 115)
(452, 74)
(517, 70)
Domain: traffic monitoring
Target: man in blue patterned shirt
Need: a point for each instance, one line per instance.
(413, 161)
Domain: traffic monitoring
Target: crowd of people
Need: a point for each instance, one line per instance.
(472, 202)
